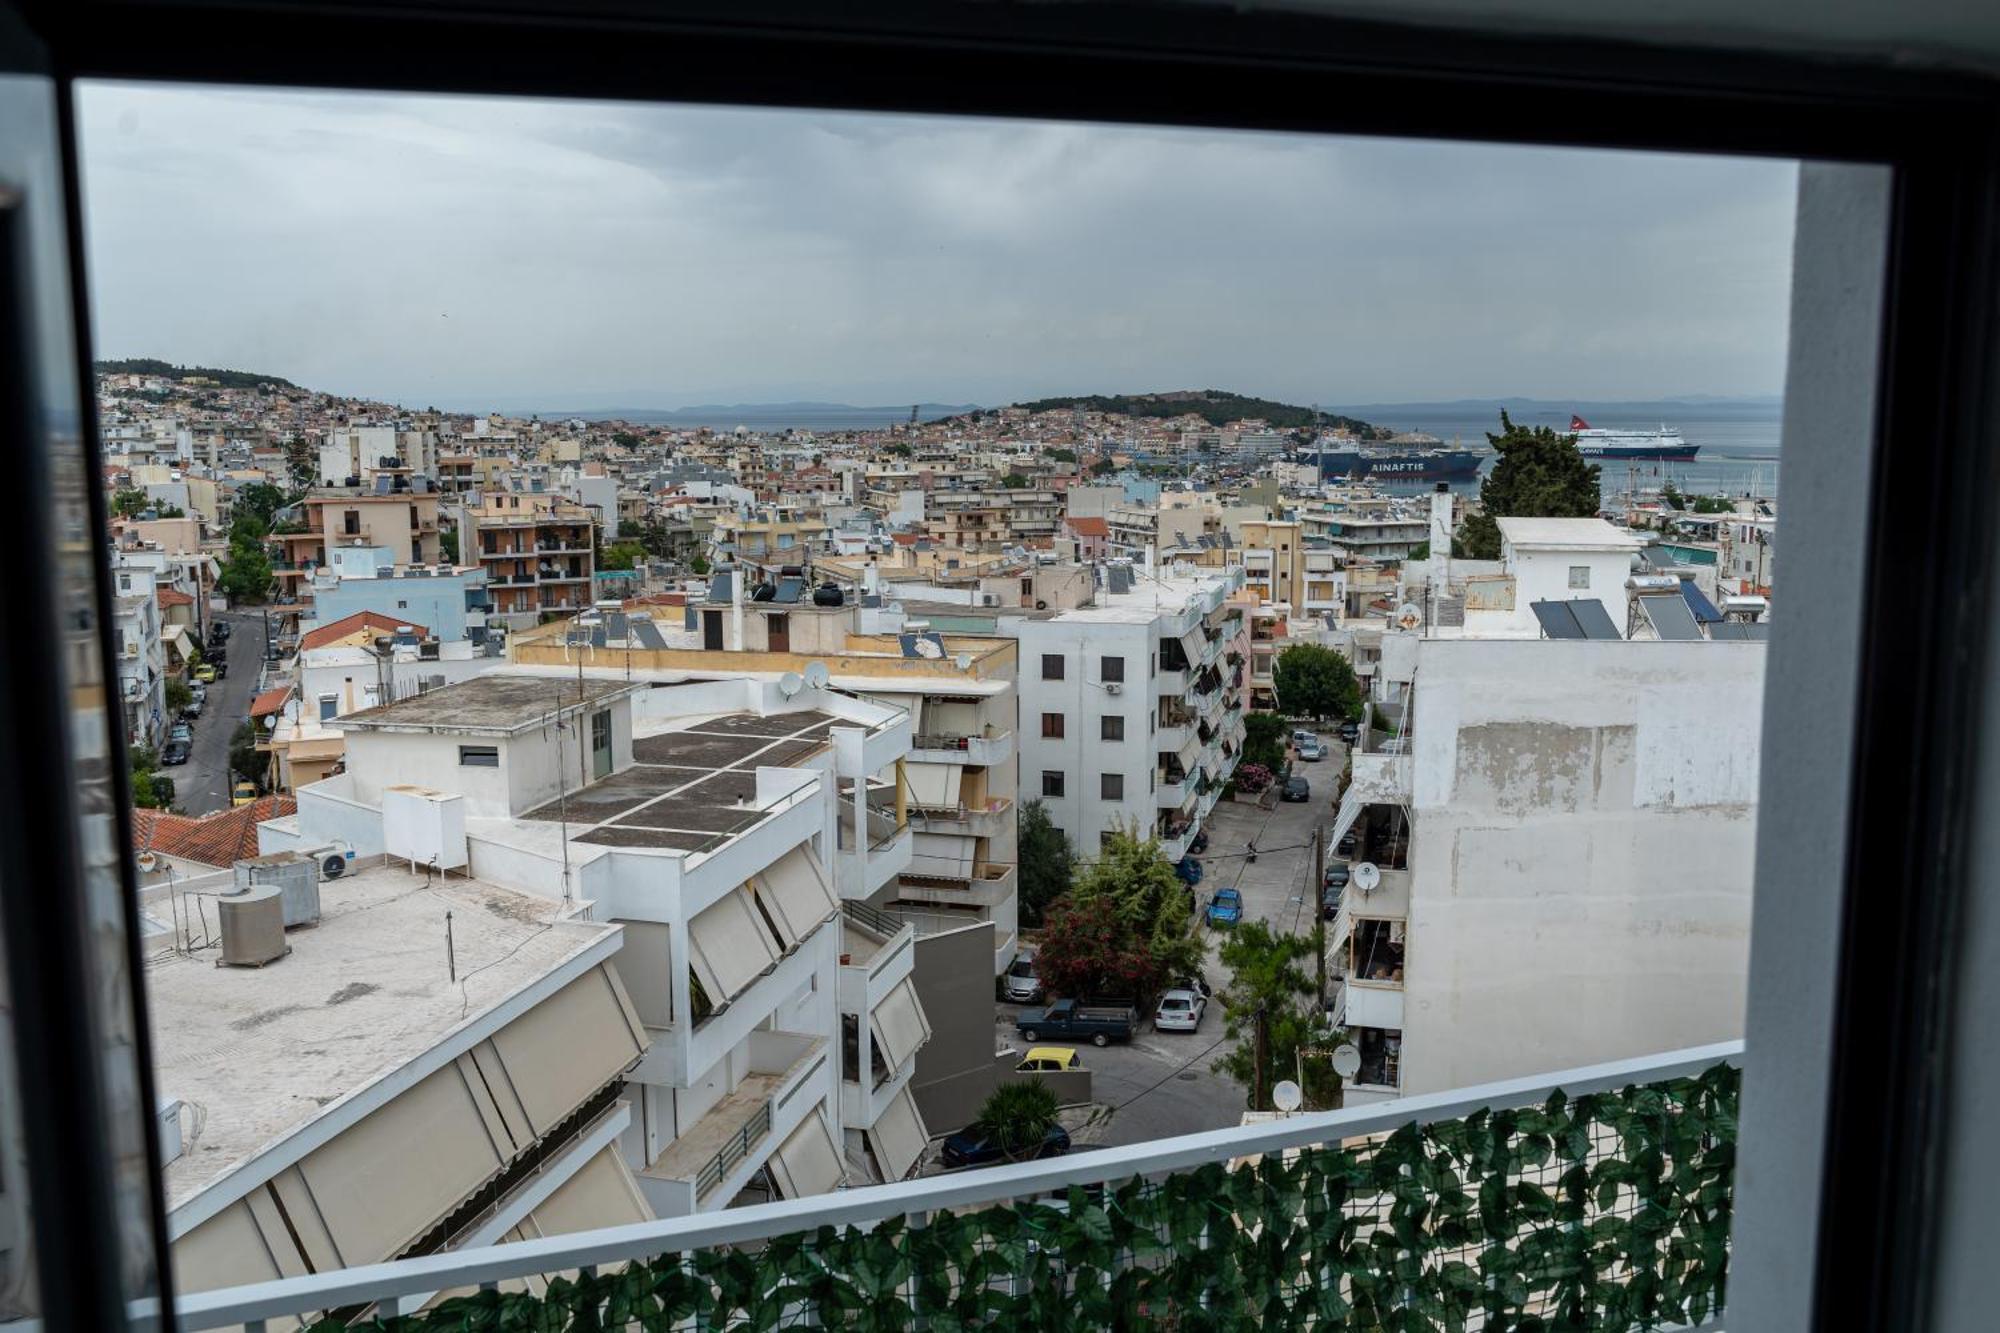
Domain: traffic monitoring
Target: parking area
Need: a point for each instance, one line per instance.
(1161, 1083)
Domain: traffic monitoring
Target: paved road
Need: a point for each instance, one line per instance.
(202, 784)
(1161, 1084)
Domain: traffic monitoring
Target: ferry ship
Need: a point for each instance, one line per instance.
(1631, 446)
(1340, 459)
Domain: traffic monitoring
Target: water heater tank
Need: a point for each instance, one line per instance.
(295, 874)
(253, 927)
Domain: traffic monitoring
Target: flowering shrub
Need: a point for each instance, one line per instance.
(1253, 778)
(1088, 949)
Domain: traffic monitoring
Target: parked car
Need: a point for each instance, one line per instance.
(1049, 1060)
(1022, 985)
(205, 673)
(1190, 870)
(1225, 908)
(243, 793)
(1337, 874)
(1312, 751)
(221, 629)
(1296, 788)
(1300, 735)
(1103, 1024)
(1346, 845)
(969, 1147)
(220, 669)
(1199, 985)
(195, 704)
(1329, 901)
(1350, 732)
(181, 732)
(1179, 1011)
(174, 752)
(1199, 843)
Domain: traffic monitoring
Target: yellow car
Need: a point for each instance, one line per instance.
(242, 793)
(1049, 1059)
(205, 674)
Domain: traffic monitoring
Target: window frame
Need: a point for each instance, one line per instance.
(1053, 666)
(1052, 727)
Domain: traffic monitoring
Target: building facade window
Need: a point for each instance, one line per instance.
(479, 756)
(1111, 786)
(1052, 666)
(1052, 782)
(1112, 669)
(1579, 576)
(1111, 728)
(1052, 726)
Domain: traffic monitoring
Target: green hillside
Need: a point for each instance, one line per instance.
(1217, 406)
(228, 379)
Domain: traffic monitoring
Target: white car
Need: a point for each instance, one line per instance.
(1179, 1011)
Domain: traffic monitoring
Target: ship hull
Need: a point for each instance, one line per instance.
(1639, 453)
(1447, 465)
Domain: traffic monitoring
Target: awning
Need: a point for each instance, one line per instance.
(729, 947)
(1194, 643)
(270, 701)
(1350, 810)
(807, 1163)
(952, 717)
(793, 889)
(182, 641)
(948, 855)
(899, 1024)
(934, 786)
(898, 1137)
(600, 1194)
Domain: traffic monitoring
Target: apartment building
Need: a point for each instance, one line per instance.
(356, 454)
(1131, 718)
(718, 824)
(1273, 556)
(975, 520)
(402, 519)
(768, 540)
(537, 551)
(451, 599)
(140, 655)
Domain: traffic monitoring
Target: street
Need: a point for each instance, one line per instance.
(201, 785)
(1160, 1084)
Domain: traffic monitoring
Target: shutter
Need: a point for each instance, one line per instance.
(806, 1163)
(729, 946)
(898, 1137)
(899, 1024)
(794, 888)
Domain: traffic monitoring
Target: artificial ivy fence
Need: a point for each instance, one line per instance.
(1604, 1212)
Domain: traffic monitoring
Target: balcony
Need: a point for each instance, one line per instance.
(738, 1129)
(1437, 1223)
(1170, 684)
(983, 821)
(887, 855)
(954, 748)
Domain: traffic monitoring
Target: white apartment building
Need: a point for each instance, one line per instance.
(141, 660)
(706, 821)
(1560, 831)
(1130, 716)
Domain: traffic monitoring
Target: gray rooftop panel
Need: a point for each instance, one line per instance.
(648, 634)
(1739, 632)
(1556, 620)
(718, 586)
(1592, 619)
(1670, 618)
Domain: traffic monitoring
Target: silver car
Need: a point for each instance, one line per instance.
(1179, 1011)
(1023, 986)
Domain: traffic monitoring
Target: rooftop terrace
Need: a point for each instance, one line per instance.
(495, 703)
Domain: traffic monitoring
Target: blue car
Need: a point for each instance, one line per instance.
(1225, 908)
(969, 1147)
(1189, 870)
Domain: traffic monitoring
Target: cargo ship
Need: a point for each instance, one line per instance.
(1631, 446)
(1394, 460)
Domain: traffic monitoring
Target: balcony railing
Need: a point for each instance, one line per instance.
(735, 1150)
(1599, 1197)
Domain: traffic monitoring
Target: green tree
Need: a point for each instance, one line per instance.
(1274, 973)
(1712, 504)
(1047, 863)
(1102, 467)
(246, 573)
(624, 439)
(1312, 680)
(621, 555)
(1017, 1117)
(170, 511)
(448, 543)
(245, 759)
(697, 563)
(1061, 455)
(1125, 928)
(1014, 481)
(900, 450)
(1264, 740)
(260, 500)
(1671, 495)
(179, 696)
(125, 503)
(1088, 949)
(151, 790)
(1540, 475)
(301, 467)
(628, 529)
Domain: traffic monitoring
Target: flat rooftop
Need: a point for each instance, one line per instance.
(260, 1053)
(693, 787)
(1567, 534)
(496, 702)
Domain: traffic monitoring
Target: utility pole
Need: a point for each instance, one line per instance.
(1319, 929)
(1262, 1059)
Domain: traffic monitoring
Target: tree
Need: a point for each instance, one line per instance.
(179, 696)
(624, 439)
(260, 500)
(1540, 475)
(1125, 928)
(245, 759)
(151, 790)
(127, 502)
(1047, 863)
(1061, 455)
(697, 563)
(448, 543)
(1014, 481)
(628, 529)
(246, 573)
(900, 450)
(621, 555)
(1088, 949)
(1102, 467)
(1312, 680)
(1264, 740)
(1269, 975)
(1671, 495)
(170, 511)
(1016, 1118)
(301, 468)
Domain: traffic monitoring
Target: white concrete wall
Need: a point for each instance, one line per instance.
(1079, 755)
(1584, 815)
(1543, 576)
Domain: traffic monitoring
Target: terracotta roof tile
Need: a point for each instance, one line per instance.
(335, 630)
(1089, 526)
(175, 597)
(218, 839)
(270, 701)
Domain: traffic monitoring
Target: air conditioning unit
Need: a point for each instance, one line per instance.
(1113, 687)
(989, 599)
(253, 927)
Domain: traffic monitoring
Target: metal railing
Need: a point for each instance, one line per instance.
(874, 918)
(1483, 1198)
(718, 1167)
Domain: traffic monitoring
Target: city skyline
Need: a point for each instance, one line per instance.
(514, 255)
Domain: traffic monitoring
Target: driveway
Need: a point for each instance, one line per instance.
(201, 785)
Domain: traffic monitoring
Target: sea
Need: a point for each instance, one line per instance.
(1738, 439)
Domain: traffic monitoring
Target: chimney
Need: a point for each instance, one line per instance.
(1441, 522)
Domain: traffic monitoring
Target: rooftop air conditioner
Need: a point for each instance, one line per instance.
(253, 927)
(1113, 687)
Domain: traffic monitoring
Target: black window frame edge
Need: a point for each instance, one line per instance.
(1926, 581)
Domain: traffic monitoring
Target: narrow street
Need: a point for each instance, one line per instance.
(201, 785)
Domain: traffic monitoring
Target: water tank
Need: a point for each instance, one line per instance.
(828, 594)
(253, 927)
(295, 874)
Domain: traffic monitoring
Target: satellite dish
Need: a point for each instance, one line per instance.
(1367, 876)
(817, 676)
(791, 683)
(1287, 1097)
(1408, 616)
(963, 661)
(1346, 1060)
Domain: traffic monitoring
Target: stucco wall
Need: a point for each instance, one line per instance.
(1584, 817)
(954, 979)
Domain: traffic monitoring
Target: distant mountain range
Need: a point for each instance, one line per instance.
(1215, 406)
(1532, 410)
(771, 416)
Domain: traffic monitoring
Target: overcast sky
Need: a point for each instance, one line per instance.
(475, 253)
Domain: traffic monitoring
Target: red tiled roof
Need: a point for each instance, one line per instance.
(1089, 527)
(336, 630)
(175, 597)
(217, 839)
(270, 701)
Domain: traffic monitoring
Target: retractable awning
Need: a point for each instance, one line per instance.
(729, 946)
(794, 890)
(899, 1024)
(806, 1163)
(898, 1136)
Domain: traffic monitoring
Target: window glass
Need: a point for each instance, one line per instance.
(1111, 728)
(1052, 782)
(1052, 666)
(1052, 726)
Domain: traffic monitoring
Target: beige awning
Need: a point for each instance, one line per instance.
(899, 1024)
(945, 854)
(600, 1194)
(807, 1163)
(729, 946)
(1194, 643)
(934, 786)
(898, 1137)
(794, 890)
(953, 717)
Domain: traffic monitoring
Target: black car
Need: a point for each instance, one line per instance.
(1329, 902)
(175, 752)
(1350, 732)
(1200, 843)
(1296, 789)
(1346, 845)
(221, 666)
(969, 1147)
(221, 629)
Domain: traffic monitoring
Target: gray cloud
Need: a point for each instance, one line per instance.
(502, 252)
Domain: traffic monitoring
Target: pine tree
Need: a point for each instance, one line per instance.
(1540, 475)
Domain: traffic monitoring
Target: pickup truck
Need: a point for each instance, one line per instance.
(1103, 1024)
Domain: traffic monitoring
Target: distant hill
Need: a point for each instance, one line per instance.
(1216, 406)
(228, 379)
